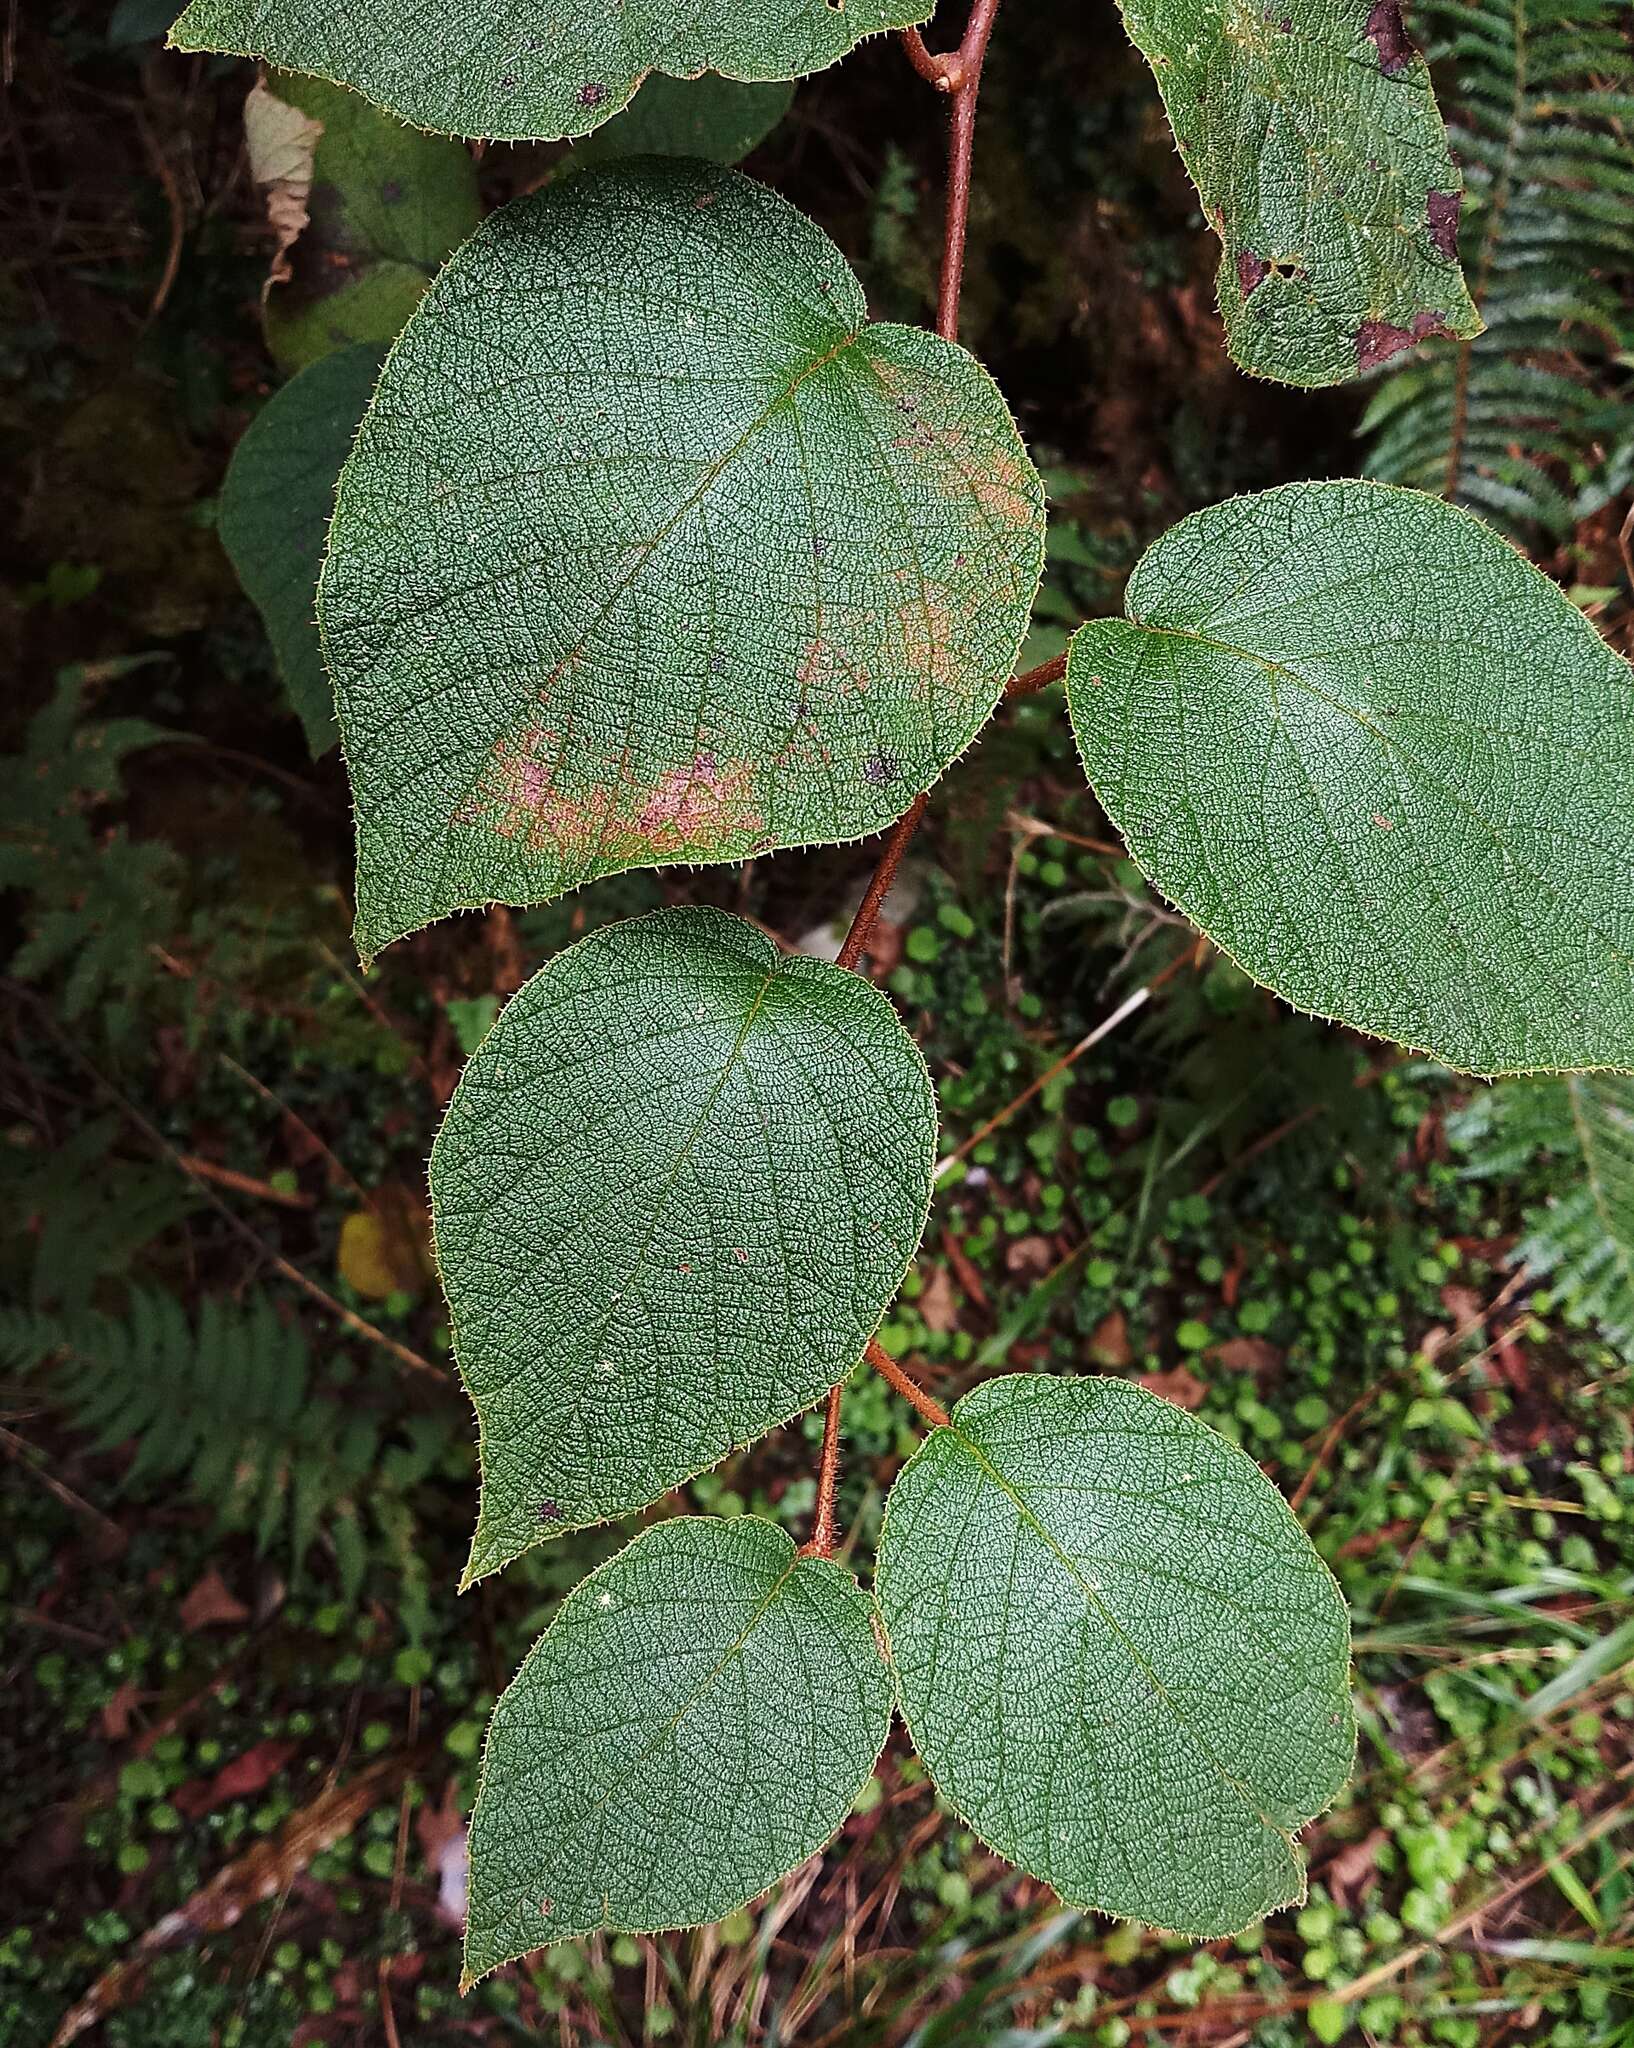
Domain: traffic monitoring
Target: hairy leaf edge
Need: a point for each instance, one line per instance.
(174, 40)
(372, 944)
(472, 1574)
(1359, 484)
(797, 1557)
(1290, 1836)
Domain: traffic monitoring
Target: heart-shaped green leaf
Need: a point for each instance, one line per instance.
(275, 503)
(1312, 136)
(677, 1186)
(512, 72)
(1116, 1649)
(698, 1720)
(652, 549)
(1385, 764)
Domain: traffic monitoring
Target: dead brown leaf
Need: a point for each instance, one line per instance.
(1354, 1872)
(938, 1304)
(1464, 1305)
(1247, 1354)
(1035, 1255)
(1109, 1341)
(1183, 1388)
(211, 1604)
(118, 1708)
(282, 143)
(245, 1776)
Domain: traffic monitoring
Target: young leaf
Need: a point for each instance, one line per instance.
(1386, 766)
(651, 549)
(275, 504)
(1312, 136)
(716, 118)
(677, 1186)
(498, 69)
(698, 1720)
(1116, 1649)
(364, 208)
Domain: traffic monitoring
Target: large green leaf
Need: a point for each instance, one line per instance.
(711, 117)
(365, 210)
(1385, 764)
(652, 550)
(507, 70)
(275, 504)
(1116, 1650)
(677, 1186)
(698, 1720)
(1312, 136)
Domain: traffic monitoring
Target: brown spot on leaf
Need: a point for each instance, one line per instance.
(881, 768)
(1252, 271)
(1384, 824)
(548, 1512)
(690, 799)
(1388, 33)
(1441, 209)
(1377, 340)
(699, 806)
(592, 95)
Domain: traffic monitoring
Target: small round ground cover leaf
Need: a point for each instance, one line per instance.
(1312, 135)
(653, 550)
(676, 1188)
(275, 503)
(1117, 1651)
(1385, 764)
(512, 71)
(698, 1720)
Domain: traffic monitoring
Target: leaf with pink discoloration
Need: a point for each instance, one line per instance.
(653, 549)
(1312, 135)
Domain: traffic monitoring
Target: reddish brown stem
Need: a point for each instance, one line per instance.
(936, 71)
(959, 75)
(964, 77)
(879, 884)
(1037, 678)
(824, 1528)
(893, 1375)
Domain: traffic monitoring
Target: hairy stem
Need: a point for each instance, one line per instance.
(910, 1390)
(824, 1528)
(958, 74)
(1032, 679)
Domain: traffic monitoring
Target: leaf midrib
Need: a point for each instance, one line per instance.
(644, 550)
(668, 1727)
(1415, 769)
(661, 1198)
(1099, 1607)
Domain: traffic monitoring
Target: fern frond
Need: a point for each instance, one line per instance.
(223, 1406)
(1582, 1237)
(1517, 424)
